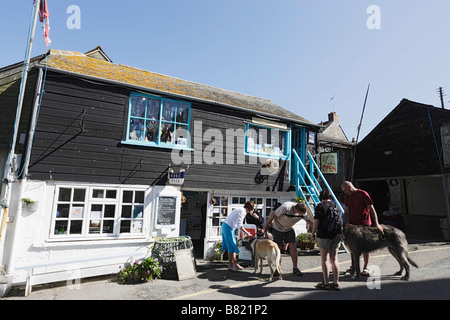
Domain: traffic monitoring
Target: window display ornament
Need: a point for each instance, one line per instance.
(212, 201)
(272, 165)
(183, 198)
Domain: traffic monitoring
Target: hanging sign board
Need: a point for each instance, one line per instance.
(329, 162)
(166, 211)
(176, 178)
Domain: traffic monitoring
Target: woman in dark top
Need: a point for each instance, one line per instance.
(327, 242)
(254, 218)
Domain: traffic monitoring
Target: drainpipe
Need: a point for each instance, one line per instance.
(7, 174)
(14, 226)
(443, 176)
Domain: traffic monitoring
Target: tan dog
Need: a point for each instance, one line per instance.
(264, 248)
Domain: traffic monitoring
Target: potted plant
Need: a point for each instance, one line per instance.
(304, 241)
(30, 204)
(146, 270)
(218, 253)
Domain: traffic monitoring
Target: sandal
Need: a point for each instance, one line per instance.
(297, 272)
(239, 267)
(324, 286)
(365, 272)
(335, 287)
(233, 269)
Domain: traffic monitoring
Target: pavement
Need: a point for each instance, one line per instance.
(213, 281)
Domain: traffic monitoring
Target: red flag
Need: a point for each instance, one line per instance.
(43, 17)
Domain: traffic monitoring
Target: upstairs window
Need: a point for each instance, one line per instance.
(266, 142)
(159, 122)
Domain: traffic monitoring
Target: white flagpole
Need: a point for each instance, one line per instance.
(7, 175)
(22, 87)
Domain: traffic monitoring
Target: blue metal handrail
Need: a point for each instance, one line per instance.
(313, 163)
(313, 185)
(299, 173)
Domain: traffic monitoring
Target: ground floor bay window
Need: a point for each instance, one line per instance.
(90, 212)
(222, 205)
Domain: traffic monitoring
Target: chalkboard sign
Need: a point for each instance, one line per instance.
(185, 264)
(165, 215)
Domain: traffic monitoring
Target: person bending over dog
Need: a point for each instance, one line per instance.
(359, 210)
(284, 218)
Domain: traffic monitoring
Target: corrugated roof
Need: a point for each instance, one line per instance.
(84, 65)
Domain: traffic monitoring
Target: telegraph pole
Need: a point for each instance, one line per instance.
(357, 135)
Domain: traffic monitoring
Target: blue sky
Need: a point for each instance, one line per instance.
(297, 53)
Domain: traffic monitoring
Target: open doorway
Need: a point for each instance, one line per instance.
(193, 219)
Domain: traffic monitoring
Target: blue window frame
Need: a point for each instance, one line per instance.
(159, 122)
(267, 142)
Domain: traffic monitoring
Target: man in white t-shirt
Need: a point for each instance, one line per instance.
(284, 218)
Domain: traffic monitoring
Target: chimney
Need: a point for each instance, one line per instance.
(333, 117)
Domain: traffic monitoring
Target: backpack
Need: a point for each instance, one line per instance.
(334, 223)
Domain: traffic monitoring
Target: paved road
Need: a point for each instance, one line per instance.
(430, 281)
(213, 282)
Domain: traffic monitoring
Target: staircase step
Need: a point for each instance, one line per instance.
(309, 192)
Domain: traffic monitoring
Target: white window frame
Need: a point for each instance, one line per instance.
(89, 201)
(261, 208)
(216, 231)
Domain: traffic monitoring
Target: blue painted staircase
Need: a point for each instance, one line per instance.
(307, 186)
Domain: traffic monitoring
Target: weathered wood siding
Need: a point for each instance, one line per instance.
(81, 127)
(403, 144)
(9, 92)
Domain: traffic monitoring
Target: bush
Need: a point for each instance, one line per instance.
(146, 270)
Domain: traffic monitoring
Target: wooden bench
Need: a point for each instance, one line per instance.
(51, 271)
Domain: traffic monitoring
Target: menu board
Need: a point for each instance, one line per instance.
(165, 214)
(185, 264)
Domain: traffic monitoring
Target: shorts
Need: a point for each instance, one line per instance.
(287, 237)
(229, 239)
(329, 243)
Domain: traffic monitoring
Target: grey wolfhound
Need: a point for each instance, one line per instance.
(362, 239)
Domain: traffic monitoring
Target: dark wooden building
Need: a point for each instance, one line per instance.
(106, 136)
(404, 164)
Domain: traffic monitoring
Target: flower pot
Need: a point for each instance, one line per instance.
(302, 245)
(32, 206)
(310, 245)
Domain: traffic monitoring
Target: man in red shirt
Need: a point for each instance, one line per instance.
(359, 210)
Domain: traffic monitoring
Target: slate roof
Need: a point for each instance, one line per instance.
(333, 133)
(95, 64)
